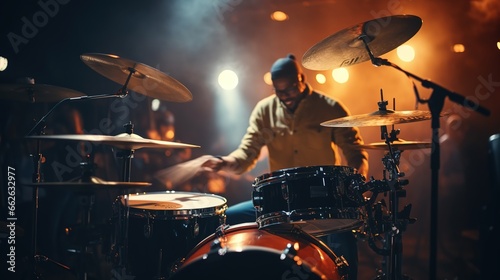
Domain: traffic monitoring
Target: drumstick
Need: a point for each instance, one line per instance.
(180, 173)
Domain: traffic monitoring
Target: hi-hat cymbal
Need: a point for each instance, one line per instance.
(145, 79)
(123, 141)
(36, 93)
(379, 118)
(94, 184)
(399, 144)
(346, 47)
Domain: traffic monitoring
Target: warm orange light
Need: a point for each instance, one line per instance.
(169, 134)
(340, 75)
(498, 45)
(459, 48)
(267, 78)
(279, 16)
(406, 53)
(320, 78)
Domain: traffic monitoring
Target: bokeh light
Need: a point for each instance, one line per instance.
(340, 75)
(406, 53)
(228, 80)
(320, 78)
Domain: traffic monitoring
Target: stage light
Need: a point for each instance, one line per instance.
(498, 45)
(155, 105)
(3, 63)
(267, 79)
(279, 16)
(406, 53)
(228, 80)
(459, 48)
(340, 75)
(320, 78)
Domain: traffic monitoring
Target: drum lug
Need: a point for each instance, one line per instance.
(289, 251)
(342, 265)
(196, 228)
(284, 192)
(257, 200)
(147, 229)
(216, 248)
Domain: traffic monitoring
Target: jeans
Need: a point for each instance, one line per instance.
(342, 244)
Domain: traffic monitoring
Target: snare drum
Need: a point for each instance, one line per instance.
(165, 226)
(243, 251)
(319, 199)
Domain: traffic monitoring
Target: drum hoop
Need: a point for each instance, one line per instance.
(273, 218)
(186, 214)
(304, 215)
(304, 171)
(179, 214)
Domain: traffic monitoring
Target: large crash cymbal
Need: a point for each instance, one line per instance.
(93, 184)
(123, 141)
(36, 93)
(346, 47)
(145, 79)
(399, 144)
(379, 118)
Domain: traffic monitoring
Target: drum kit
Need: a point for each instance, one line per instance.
(181, 235)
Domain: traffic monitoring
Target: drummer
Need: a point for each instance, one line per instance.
(288, 123)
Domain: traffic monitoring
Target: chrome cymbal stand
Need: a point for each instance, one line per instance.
(38, 159)
(435, 103)
(385, 222)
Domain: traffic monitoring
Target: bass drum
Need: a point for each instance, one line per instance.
(244, 251)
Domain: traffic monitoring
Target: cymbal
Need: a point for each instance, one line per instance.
(36, 92)
(346, 47)
(379, 118)
(145, 79)
(123, 141)
(94, 184)
(399, 144)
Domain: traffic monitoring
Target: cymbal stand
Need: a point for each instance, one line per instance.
(393, 223)
(393, 262)
(435, 103)
(38, 159)
(87, 172)
(120, 249)
(389, 225)
(121, 246)
(396, 227)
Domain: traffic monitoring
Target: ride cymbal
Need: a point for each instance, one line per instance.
(36, 93)
(346, 47)
(399, 144)
(144, 79)
(379, 118)
(123, 141)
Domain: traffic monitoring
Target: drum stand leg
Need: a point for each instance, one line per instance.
(37, 258)
(396, 222)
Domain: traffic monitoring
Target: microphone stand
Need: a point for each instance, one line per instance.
(435, 103)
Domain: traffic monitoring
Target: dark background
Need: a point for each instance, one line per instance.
(192, 41)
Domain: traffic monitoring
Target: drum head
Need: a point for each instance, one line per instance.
(172, 204)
